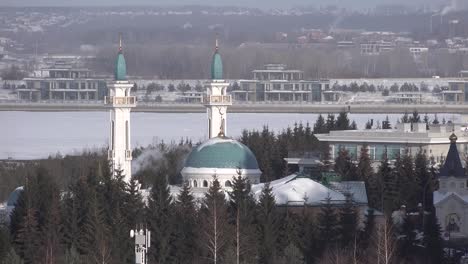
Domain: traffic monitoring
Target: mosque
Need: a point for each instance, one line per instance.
(219, 156)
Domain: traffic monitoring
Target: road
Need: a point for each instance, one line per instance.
(244, 108)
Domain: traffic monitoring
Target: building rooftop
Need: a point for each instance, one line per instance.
(402, 134)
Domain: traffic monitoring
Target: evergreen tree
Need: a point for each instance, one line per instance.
(348, 223)
(320, 126)
(389, 188)
(268, 226)
(330, 124)
(369, 229)
(415, 118)
(405, 118)
(364, 168)
(12, 258)
(185, 226)
(434, 245)
(160, 216)
(242, 205)
(342, 122)
(327, 225)
(292, 255)
(214, 223)
(344, 166)
(424, 180)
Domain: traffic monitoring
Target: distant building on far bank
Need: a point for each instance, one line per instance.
(64, 83)
(457, 92)
(276, 83)
(434, 142)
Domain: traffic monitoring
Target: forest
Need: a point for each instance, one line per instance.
(83, 215)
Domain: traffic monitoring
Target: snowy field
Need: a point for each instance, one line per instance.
(32, 135)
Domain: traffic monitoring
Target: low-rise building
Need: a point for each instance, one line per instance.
(64, 84)
(434, 142)
(457, 92)
(276, 83)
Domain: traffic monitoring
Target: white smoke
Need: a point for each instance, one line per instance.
(151, 157)
(455, 5)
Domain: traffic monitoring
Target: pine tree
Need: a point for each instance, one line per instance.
(389, 188)
(12, 258)
(292, 255)
(242, 205)
(268, 226)
(369, 229)
(214, 223)
(320, 126)
(185, 226)
(348, 223)
(160, 216)
(364, 168)
(424, 181)
(342, 122)
(327, 225)
(330, 124)
(434, 245)
(406, 181)
(345, 167)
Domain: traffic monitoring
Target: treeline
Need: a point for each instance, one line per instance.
(89, 222)
(271, 149)
(365, 87)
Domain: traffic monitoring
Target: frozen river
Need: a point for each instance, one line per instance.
(31, 135)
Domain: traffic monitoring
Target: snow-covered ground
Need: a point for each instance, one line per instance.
(31, 135)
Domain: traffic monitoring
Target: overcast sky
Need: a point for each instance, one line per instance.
(249, 3)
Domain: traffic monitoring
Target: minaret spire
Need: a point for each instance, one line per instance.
(120, 102)
(216, 43)
(120, 42)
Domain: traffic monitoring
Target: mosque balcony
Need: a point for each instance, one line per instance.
(128, 101)
(110, 154)
(217, 100)
(128, 154)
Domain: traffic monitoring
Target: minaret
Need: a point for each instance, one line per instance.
(120, 102)
(216, 100)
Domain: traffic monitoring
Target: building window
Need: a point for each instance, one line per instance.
(195, 184)
(227, 184)
(462, 185)
(127, 143)
(205, 183)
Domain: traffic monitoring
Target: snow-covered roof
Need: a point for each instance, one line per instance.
(441, 196)
(355, 188)
(294, 190)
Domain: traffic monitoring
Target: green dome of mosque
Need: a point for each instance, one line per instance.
(120, 71)
(216, 66)
(223, 153)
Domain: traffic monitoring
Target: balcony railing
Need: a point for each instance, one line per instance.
(110, 154)
(120, 100)
(128, 154)
(217, 99)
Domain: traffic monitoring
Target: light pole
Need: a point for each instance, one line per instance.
(142, 243)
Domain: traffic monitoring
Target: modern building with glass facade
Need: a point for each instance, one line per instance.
(276, 83)
(64, 84)
(457, 92)
(434, 142)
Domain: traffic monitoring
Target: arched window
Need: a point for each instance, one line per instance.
(195, 183)
(227, 184)
(205, 183)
